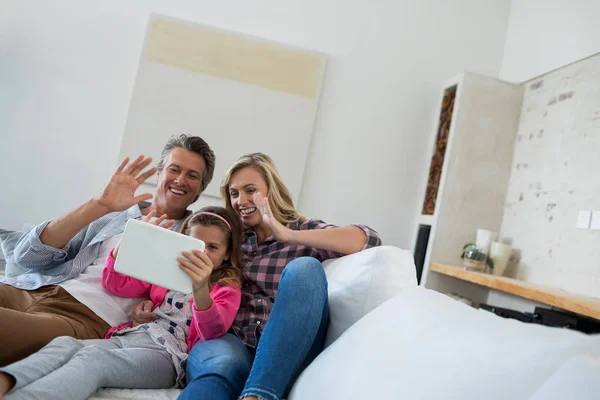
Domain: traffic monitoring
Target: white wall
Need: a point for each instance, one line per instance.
(546, 34)
(67, 70)
(543, 35)
(555, 149)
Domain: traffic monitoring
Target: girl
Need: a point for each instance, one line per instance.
(150, 355)
(283, 318)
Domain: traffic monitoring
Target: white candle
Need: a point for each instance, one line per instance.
(484, 240)
(500, 253)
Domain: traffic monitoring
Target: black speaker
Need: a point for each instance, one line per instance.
(421, 249)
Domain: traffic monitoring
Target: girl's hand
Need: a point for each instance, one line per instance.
(142, 313)
(168, 223)
(198, 267)
(279, 231)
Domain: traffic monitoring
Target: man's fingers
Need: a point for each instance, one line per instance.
(133, 164)
(123, 164)
(140, 166)
(142, 178)
(142, 197)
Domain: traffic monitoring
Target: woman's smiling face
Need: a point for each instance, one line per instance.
(242, 186)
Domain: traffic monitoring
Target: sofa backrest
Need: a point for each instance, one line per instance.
(360, 282)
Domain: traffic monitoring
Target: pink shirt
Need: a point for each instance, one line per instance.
(207, 324)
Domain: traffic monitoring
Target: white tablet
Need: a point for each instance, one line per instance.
(149, 253)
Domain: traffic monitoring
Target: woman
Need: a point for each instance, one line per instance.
(281, 258)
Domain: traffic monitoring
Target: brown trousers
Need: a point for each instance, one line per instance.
(30, 319)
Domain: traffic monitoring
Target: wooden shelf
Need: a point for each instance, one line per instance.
(588, 306)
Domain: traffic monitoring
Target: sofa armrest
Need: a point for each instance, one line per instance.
(360, 282)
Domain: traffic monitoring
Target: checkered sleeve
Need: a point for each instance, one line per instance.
(373, 238)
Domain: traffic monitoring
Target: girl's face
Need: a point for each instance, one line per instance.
(216, 242)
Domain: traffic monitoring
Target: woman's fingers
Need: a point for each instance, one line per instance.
(268, 208)
(259, 201)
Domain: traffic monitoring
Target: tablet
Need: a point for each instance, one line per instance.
(149, 253)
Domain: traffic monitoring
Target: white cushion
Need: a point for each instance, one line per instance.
(423, 345)
(360, 282)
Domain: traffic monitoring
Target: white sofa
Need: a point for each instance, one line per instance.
(357, 284)
(389, 339)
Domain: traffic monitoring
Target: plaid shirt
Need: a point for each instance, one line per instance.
(263, 264)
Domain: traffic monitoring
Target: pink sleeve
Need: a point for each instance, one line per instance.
(122, 285)
(217, 320)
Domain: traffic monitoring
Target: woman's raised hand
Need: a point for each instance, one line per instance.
(278, 230)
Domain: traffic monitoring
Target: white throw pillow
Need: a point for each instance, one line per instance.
(360, 282)
(423, 345)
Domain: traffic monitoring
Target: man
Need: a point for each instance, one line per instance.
(53, 286)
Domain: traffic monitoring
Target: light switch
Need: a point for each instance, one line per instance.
(595, 225)
(583, 219)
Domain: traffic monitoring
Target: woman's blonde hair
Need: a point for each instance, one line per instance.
(280, 200)
(229, 273)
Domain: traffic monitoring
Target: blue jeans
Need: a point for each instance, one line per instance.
(225, 369)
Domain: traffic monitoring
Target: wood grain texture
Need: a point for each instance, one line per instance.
(588, 306)
(437, 160)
